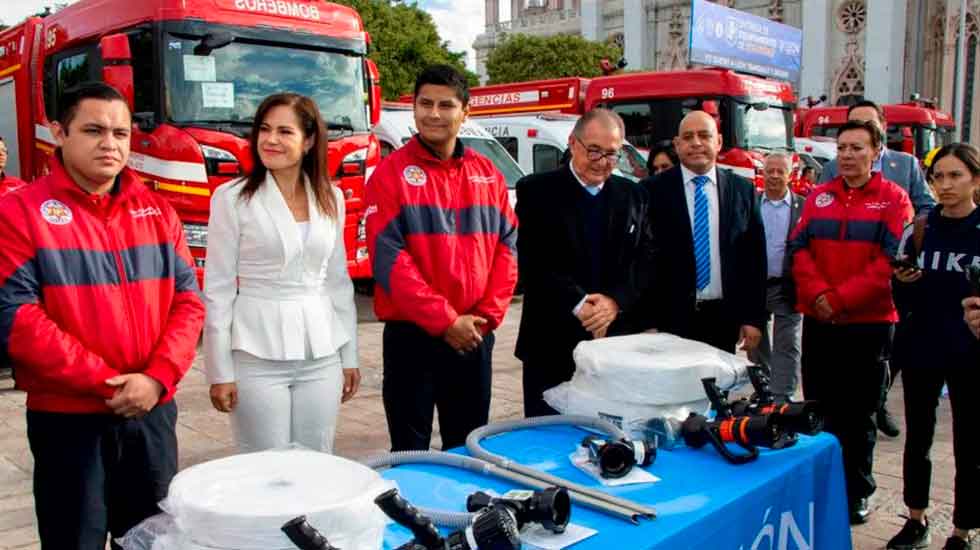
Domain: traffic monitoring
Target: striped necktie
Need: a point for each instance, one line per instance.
(702, 235)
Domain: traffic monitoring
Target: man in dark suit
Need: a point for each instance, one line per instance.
(583, 250)
(709, 275)
(780, 209)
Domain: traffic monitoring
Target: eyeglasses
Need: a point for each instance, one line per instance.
(594, 154)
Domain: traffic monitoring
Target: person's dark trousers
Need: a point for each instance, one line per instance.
(422, 373)
(844, 367)
(713, 326)
(99, 474)
(539, 376)
(923, 384)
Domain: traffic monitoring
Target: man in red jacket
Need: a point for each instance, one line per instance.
(100, 316)
(442, 239)
(842, 248)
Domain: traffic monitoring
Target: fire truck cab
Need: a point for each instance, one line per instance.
(194, 74)
(914, 127)
(754, 115)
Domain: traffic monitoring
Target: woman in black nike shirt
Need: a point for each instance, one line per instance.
(936, 347)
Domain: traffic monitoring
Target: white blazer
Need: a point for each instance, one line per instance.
(269, 294)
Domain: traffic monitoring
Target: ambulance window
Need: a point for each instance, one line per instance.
(510, 144)
(546, 157)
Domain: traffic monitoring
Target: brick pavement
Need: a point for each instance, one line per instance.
(204, 434)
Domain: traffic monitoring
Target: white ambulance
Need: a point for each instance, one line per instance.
(537, 142)
(397, 126)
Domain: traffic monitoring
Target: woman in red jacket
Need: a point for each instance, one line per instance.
(842, 248)
(7, 183)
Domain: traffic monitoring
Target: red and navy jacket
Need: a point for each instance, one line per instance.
(92, 287)
(843, 245)
(442, 237)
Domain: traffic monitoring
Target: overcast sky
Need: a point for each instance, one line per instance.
(459, 21)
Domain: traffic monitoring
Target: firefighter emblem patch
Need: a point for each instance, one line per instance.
(56, 212)
(825, 199)
(414, 175)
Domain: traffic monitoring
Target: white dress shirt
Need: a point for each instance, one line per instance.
(268, 292)
(713, 290)
(775, 219)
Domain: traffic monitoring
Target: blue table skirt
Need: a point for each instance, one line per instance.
(787, 500)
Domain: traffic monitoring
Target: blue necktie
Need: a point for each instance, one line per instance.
(702, 236)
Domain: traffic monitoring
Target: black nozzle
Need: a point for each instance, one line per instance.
(493, 528)
(615, 459)
(805, 417)
(551, 507)
(406, 515)
(304, 535)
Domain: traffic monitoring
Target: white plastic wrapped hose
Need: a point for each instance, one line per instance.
(653, 369)
(629, 380)
(241, 502)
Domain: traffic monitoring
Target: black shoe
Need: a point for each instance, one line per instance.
(860, 511)
(956, 543)
(914, 534)
(886, 423)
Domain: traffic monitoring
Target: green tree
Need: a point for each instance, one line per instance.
(521, 58)
(404, 41)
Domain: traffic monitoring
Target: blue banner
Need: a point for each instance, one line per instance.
(732, 39)
(790, 499)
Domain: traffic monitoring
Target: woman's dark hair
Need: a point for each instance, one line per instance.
(314, 162)
(968, 155)
(665, 149)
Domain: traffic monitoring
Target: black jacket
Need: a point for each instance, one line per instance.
(554, 263)
(670, 301)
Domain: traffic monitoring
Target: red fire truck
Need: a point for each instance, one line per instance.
(915, 127)
(754, 115)
(194, 74)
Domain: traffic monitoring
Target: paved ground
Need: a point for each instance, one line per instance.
(204, 434)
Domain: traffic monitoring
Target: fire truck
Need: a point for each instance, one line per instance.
(754, 115)
(915, 127)
(194, 74)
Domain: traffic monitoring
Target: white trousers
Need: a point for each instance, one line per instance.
(283, 402)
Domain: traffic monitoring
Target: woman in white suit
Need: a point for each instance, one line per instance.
(281, 332)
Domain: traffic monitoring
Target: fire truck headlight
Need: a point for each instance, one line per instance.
(196, 235)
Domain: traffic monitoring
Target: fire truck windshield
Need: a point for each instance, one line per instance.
(762, 126)
(227, 85)
(653, 122)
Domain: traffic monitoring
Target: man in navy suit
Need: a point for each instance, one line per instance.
(903, 169)
(709, 246)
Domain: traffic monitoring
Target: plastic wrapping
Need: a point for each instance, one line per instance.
(241, 502)
(629, 380)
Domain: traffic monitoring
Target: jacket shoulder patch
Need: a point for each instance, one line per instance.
(56, 212)
(414, 175)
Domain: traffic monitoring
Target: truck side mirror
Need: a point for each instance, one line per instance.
(375, 93)
(117, 70)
